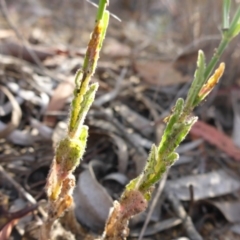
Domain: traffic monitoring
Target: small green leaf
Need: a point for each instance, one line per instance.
(105, 25)
(234, 26)
(236, 30)
(78, 78)
(198, 81)
(133, 183)
(172, 158)
(226, 10)
(184, 131)
(172, 120)
(147, 171)
(86, 103)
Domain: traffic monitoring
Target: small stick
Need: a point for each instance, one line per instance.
(21, 190)
(181, 213)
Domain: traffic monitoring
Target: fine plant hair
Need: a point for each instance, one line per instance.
(70, 150)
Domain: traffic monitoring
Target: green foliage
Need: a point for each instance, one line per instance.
(180, 121)
(163, 156)
(197, 82)
(227, 35)
(70, 150)
(61, 181)
(83, 93)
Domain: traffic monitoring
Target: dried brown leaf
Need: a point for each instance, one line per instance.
(159, 73)
(58, 100)
(91, 199)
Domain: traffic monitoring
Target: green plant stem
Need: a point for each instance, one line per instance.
(227, 36)
(89, 66)
(101, 9)
(234, 23)
(212, 64)
(226, 9)
(138, 192)
(70, 150)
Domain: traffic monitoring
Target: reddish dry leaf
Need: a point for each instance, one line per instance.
(217, 138)
(8, 220)
(7, 229)
(58, 100)
(160, 73)
(92, 200)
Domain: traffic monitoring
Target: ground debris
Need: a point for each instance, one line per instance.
(146, 64)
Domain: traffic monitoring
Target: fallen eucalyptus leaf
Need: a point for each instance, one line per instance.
(45, 131)
(118, 177)
(230, 210)
(121, 151)
(236, 121)
(136, 120)
(157, 227)
(236, 228)
(58, 100)
(91, 199)
(208, 185)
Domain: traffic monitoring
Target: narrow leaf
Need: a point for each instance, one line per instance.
(226, 9)
(197, 82)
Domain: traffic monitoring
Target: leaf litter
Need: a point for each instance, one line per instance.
(140, 76)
